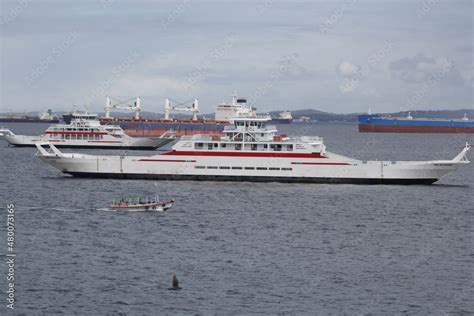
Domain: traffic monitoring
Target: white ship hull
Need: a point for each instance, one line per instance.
(330, 168)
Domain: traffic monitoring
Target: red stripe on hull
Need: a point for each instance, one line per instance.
(76, 133)
(323, 163)
(375, 128)
(165, 160)
(242, 154)
(105, 141)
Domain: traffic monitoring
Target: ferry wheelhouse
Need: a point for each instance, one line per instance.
(250, 137)
(251, 150)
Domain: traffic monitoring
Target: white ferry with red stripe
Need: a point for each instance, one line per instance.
(85, 131)
(251, 150)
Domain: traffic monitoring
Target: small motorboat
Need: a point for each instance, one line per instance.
(142, 204)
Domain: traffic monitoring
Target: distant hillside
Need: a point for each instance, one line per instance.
(352, 117)
(321, 116)
(313, 114)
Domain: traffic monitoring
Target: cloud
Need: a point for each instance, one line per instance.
(422, 68)
(348, 69)
(175, 43)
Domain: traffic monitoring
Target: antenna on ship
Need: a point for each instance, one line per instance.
(108, 106)
(369, 112)
(409, 117)
(167, 108)
(138, 108)
(195, 109)
(234, 97)
(465, 118)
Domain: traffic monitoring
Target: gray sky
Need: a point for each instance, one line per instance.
(338, 56)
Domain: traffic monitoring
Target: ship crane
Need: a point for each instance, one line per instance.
(123, 105)
(194, 108)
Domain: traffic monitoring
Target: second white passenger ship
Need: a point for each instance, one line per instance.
(250, 150)
(85, 131)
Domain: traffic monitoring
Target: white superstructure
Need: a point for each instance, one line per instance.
(85, 131)
(46, 115)
(251, 150)
(237, 108)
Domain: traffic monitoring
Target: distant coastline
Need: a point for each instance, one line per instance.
(312, 114)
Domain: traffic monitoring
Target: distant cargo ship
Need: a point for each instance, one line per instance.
(156, 127)
(45, 117)
(384, 124)
(282, 118)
